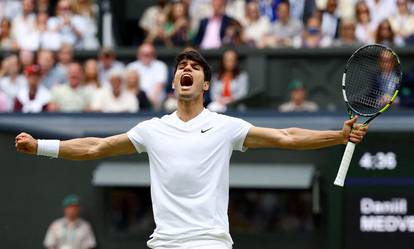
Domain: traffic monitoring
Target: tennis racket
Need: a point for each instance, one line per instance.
(370, 84)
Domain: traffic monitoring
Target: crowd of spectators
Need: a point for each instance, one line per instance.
(39, 71)
(278, 23)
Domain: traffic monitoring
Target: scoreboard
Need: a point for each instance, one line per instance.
(379, 193)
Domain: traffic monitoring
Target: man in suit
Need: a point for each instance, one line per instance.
(212, 29)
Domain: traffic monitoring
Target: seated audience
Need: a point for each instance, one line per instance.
(381, 9)
(72, 28)
(255, 26)
(347, 37)
(64, 59)
(91, 83)
(330, 19)
(211, 30)
(233, 36)
(178, 26)
(4, 105)
(107, 62)
(6, 40)
(11, 82)
(402, 23)
(133, 85)
(33, 97)
(87, 10)
(312, 37)
(283, 31)
(365, 28)
(152, 73)
(385, 35)
(70, 96)
(229, 84)
(24, 23)
(80, 231)
(298, 101)
(43, 36)
(302, 9)
(148, 20)
(50, 74)
(158, 36)
(115, 98)
(26, 57)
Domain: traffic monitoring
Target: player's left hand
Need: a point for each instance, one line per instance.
(356, 134)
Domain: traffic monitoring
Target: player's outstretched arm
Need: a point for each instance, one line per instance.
(303, 139)
(88, 148)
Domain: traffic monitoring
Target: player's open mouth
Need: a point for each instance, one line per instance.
(186, 81)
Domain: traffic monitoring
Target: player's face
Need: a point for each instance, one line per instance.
(189, 81)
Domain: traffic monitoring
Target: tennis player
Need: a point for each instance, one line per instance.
(189, 154)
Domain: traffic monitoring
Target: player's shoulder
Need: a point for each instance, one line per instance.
(223, 118)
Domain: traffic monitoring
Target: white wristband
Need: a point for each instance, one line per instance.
(49, 148)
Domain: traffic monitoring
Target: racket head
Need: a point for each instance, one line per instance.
(371, 80)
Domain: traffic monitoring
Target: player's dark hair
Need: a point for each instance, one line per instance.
(194, 55)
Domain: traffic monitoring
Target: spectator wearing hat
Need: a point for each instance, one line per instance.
(298, 102)
(70, 231)
(107, 62)
(33, 97)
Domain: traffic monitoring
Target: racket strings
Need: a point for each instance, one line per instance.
(372, 77)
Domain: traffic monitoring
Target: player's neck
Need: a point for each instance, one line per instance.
(187, 110)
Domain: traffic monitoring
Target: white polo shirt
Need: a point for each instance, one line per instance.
(189, 167)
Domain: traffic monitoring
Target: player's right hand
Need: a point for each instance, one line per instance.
(26, 143)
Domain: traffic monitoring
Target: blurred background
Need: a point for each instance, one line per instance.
(76, 68)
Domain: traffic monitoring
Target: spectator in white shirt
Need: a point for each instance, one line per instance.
(12, 81)
(70, 231)
(43, 37)
(402, 23)
(255, 26)
(71, 27)
(365, 28)
(24, 24)
(283, 31)
(107, 62)
(88, 10)
(152, 72)
(115, 98)
(71, 96)
(381, 9)
(34, 97)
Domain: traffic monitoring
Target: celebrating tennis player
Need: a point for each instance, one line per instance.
(189, 155)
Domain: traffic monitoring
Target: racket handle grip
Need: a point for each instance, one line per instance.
(343, 168)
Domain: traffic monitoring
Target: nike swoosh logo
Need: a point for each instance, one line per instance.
(203, 131)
